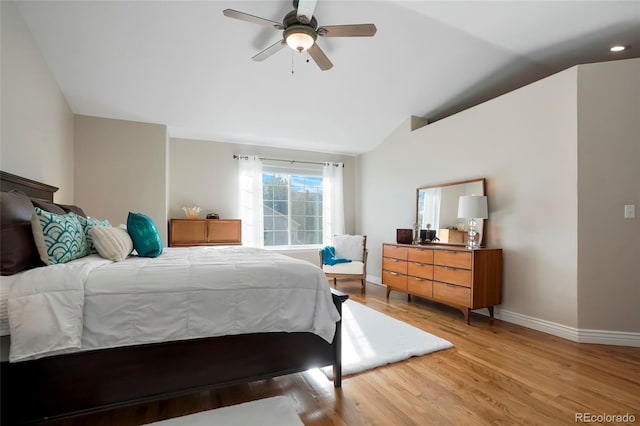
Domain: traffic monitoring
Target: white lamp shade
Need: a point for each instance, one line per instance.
(473, 207)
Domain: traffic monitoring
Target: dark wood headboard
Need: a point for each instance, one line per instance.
(31, 188)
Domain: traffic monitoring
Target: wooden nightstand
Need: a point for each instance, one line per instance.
(205, 232)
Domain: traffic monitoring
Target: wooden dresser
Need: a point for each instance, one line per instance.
(455, 276)
(204, 232)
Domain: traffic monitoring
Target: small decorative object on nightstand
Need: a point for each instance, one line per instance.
(191, 212)
(473, 207)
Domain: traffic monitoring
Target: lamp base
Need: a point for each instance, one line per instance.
(472, 239)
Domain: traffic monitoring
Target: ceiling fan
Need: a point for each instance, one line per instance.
(300, 31)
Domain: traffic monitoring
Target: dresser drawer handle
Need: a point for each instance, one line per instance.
(395, 274)
(418, 279)
(392, 259)
(450, 268)
(418, 264)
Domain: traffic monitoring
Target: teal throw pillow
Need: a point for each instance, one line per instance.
(143, 232)
(88, 223)
(59, 238)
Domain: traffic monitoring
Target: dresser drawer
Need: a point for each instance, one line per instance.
(456, 259)
(452, 294)
(452, 275)
(419, 255)
(395, 280)
(420, 270)
(188, 231)
(394, 251)
(395, 265)
(224, 231)
(420, 287)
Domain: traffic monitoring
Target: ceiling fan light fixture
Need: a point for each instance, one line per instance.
(300, 37)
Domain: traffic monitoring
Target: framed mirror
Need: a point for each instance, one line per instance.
(437, 206)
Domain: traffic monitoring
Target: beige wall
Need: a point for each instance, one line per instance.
(561, 159)
(204, 174)
(524, 144)
(609, 178)
(36, 137)
(121, 167)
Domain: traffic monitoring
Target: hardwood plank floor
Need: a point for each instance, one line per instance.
(496, 374)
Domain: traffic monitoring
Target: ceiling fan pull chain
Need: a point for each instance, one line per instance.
(292, 62)
(307, 56)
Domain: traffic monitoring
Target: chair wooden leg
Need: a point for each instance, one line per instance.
(335, 281)
(364, 287)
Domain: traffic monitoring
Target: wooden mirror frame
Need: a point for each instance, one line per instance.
(482, 225)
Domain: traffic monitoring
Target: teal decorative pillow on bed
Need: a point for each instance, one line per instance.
(59, 238)
(143, 232)
(88, 223)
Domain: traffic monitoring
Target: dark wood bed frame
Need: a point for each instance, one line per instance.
(82, 382)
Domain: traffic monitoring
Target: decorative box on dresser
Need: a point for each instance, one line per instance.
(205, 232)
(455, 276)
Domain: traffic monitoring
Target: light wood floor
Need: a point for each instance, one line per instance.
(498, 374)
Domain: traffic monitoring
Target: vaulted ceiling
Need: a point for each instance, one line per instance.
(186, 65)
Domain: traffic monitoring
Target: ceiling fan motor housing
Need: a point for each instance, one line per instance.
(291, 18)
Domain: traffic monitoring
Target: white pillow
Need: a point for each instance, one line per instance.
(349, 246)
(111, 243)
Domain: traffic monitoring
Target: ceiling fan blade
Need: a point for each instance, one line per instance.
(250, 18)
(356, 30)
(305, 10)
(319, 57)
(275, 47)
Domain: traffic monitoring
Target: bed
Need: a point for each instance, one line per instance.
(100, 377)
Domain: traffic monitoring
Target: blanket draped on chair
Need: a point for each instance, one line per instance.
(329, 256)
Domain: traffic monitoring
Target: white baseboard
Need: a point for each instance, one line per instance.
(374, 279)
(601, 337)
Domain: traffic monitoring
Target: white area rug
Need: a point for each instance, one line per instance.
(371, 339)
(276, 411)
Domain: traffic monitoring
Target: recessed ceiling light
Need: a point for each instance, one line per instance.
(618, 48)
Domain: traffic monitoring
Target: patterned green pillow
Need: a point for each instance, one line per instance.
(59, 238)
(88, 223)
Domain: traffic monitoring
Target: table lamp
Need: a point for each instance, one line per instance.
(473, 207)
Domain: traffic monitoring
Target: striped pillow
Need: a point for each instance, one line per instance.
(59, 238)
(111, 243)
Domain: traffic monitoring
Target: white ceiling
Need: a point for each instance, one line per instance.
(184, 64)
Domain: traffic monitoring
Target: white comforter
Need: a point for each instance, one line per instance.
(185, 293)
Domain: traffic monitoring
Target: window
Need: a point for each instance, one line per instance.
(292, 207)
(289, 206)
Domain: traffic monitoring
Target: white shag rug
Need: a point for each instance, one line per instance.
(275, 411)
(371, 339)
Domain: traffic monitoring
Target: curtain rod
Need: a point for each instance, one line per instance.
(246, 157)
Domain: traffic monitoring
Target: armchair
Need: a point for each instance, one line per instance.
(354, 248)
